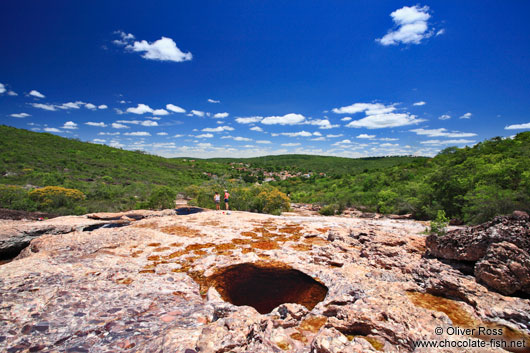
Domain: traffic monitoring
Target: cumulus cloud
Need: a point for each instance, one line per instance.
(322, 124)
(119, 126)
(100, 141)
(36, 94)
(102, 106)
(249, 120)
(213, 101)
(447, 142)
(51, 129)
(343, 142)
(91, 123)
(140, 109)
(160, 112)
(108, 133)
(161, 133)
(70, 125)
(149, 123)
(291, 144)
(175, 108)
(411, 26)
(90, 106)
(466, 116)
(321, 138)
(517, 127)
(137, 133)
(20, 115)
(256, 128)
(201, 136)
(240, 138)
(366, 136)
(288, 119)
(380, 121)
(368, 108)
(220, 115)
(49, 107)
(125, 38)
(442, 132)
(334, 136)
(164, 49)
(296, 134)
(264, 142)
(218, 129)
(346, 118)
(419, 104)
(12, 93)
(2, 88)
(444, 117)
(198, 113)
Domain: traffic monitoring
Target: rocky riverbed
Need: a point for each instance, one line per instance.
(242, 282)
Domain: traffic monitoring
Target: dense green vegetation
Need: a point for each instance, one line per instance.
(472, 184)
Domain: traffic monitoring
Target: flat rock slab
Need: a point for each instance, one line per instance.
(145, 287)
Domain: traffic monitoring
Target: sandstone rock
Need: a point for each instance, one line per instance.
(160, 284)
(505, 268)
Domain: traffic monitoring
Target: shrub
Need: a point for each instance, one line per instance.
(439, 224)
(274, 201)
(328, 210)
(53, 197)
(16, 198)
(162, 198)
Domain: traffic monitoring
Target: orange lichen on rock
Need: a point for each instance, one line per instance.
(160, 249)
(316, 241)
(181, 231)
(265, 245)
(313, 323)
(153, 244)
(124, 281)
(301, 247)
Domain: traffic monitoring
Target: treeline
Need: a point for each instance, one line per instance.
(472, 184)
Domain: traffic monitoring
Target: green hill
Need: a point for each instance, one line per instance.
(472, 184)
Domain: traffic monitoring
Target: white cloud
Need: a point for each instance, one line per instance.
(288, 119)
(220, 115)
(388, 145)
(119, 111)
(175, 108)
(137, 133)
(197, 113)
(265, 142)
(440, 32)
(256, 128)
(368, 108)
(346, 118)
(108, 133)
(161, 133)
(90, 106)
(164, 49)
(140, 109)
(36, 94)
(381, 121)
(444, 117)
(334, 136)
(322, 124)
(295, 134)
(178, 135)
(125, 38)
(2, 88)
(447, 142)
(204, 136)
(388, 139)
(291, 144)
(466, 116)
(322, 138)
(119, 126)
(365, 136)
(412, 26)
(213, 101)
(316, 133)
(12, 93)
(70, 125)
(102, 106)
(518, 127)
(20, 115)
(218, 129)
(249, 120)
(149, 123)
(72, 105)
(239, 138)
(51, 129)
(204, 145)
(99, 141)
(343, 142)
(49, 107)
(419, 104)
(160, 112)
(442, 132)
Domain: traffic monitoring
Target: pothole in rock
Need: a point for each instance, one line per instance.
(105, 225)
(265, 286)
(183, 211)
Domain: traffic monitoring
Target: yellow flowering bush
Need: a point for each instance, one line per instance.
(56, 196)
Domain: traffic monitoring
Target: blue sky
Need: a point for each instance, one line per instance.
(249, 78)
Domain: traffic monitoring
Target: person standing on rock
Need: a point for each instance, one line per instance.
(227, 196)
(217, 200)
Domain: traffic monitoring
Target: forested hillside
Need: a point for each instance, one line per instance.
(472, 184)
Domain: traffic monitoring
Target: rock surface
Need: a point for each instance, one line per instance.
(150, 286)
(499, 250)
